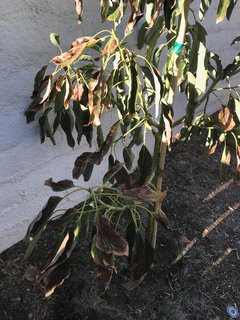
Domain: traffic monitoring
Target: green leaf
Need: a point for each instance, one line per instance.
(128, 157)
(78, 120)
(218, 62)
(204, 6)
(236, 40)
(145, 164)
(133, 88)
(141, 35)
(202, 69)
(45, 129)
(88, 171)
(67, 123)
(55, 39)
(222, 10)
(138, 136)
(230, 8)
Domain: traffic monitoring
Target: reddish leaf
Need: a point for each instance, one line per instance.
(60, 185)
(56, 278)
(75, 51)
(108, 240)
(79, 9)
(225, 119)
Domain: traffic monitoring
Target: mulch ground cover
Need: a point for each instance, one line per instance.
(198, 280)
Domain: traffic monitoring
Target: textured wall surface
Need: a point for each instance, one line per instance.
(24, 47)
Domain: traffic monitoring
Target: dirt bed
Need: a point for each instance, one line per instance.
(201, 285)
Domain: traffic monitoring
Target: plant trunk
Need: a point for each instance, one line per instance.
(170, 100)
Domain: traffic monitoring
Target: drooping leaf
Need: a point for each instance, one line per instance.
(108, 240)
(68, 92)
(202, 69)
(45, 129)
(133, 88)
(88, 171)
(79, 9)
(78, 91)
(38, 81)
(225, 162)
(109, 175)
(100, 138)
(67, 124)
(222, 10)
(43, 216)
(81, 162)
(225, 119)
(110, 46)
(55, 39)
(56, 278)
(169, 7)
(145, 193)
(105, 276)
(142, 34)
(145, 164)
(60, 185)
(48, 89)
(128, 157)
(204, 6)
(135, 16)
(230, 8)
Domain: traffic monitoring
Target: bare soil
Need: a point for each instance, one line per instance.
(200, 285)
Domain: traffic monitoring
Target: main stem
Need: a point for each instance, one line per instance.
(170, 100)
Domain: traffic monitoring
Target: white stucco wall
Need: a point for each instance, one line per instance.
(25, 26)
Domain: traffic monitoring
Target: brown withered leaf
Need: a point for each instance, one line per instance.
(68, 93)
(108, 240)
(157, 7)
(75, 51)
(110, 138)
(179, 236)
(60, 185)
(110, 46)
(225, 119)
(78, 91)
(38, 81)
(59, 82)
(83, 159)
(42, 216)
(105, 276)
(161, 217)
(213, 148)
(110, 174)
(138, 274)
(31, 273)
(56, 278)
(48, 90)
(79, 9)
(95, 95)
(146, 193)
(134, 17)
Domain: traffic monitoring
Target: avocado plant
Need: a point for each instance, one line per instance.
(99, 73)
